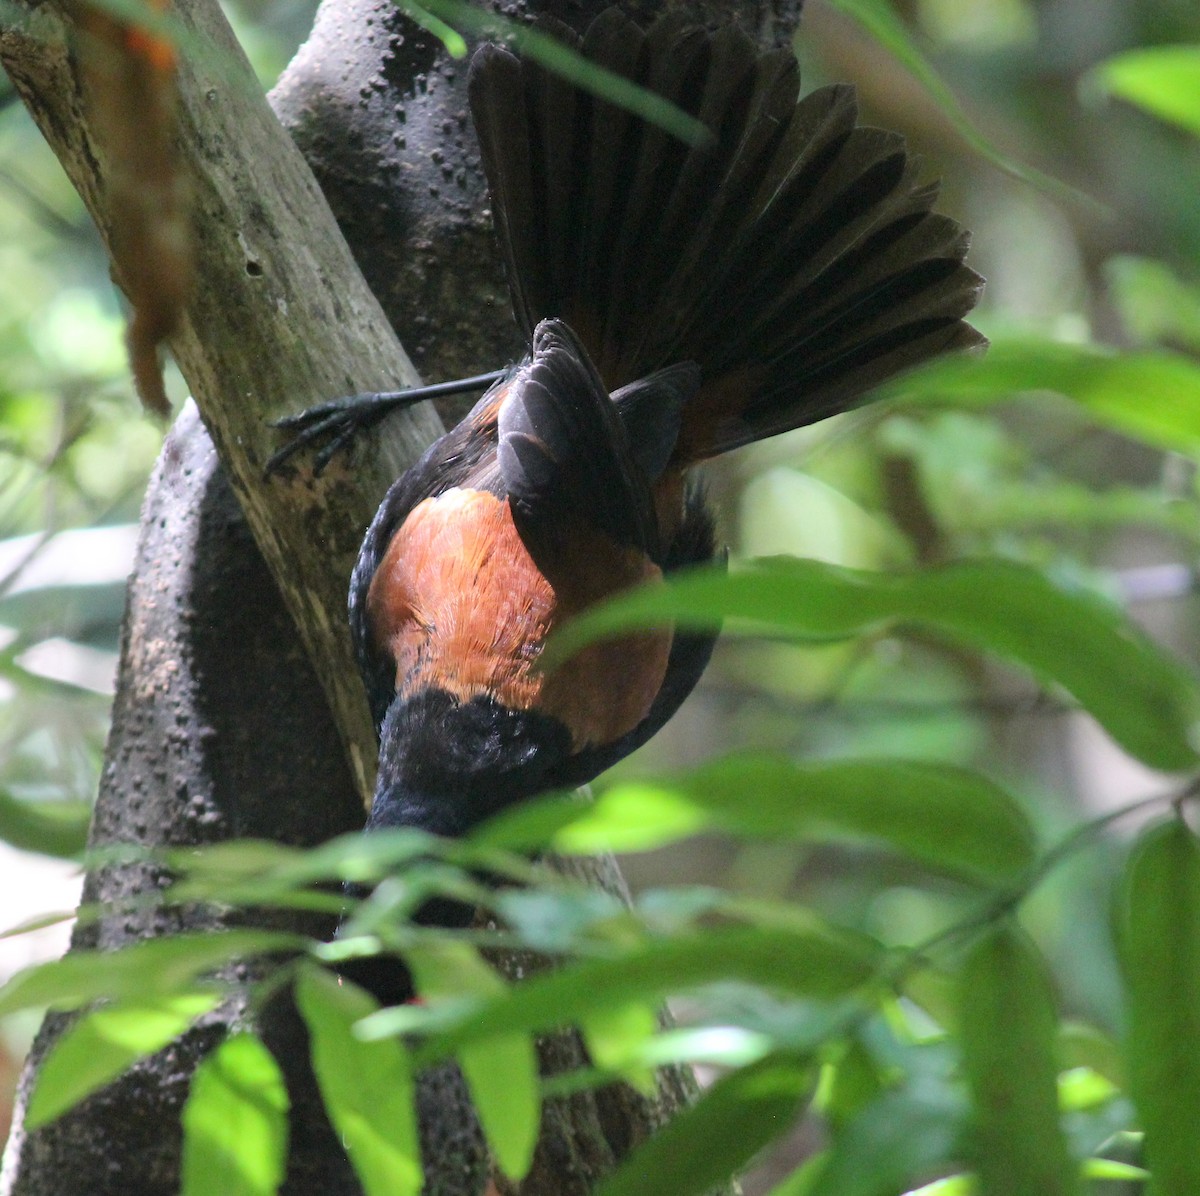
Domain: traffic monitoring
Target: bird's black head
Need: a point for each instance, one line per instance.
(446, 765)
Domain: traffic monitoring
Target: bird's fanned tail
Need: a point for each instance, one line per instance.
(678, 301)
(795, 257)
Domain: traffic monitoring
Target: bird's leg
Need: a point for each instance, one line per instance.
(337, 422)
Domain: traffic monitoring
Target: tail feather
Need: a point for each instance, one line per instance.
(828, 222)
(557, 114)
(795, 257)
(745, 102)
(609, 133)
(508, 150)
(814, 129)
(735, 234)
(819, 320)
(676, 66)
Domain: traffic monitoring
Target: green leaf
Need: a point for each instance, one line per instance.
(57, 828)
(253, 867)
(455, 43)
(502, 1074)
(503, 1071)
(41, 922)
(1153, 396)
(1114, 1170)
(367, 1087)
(1155, 304)
(619, 1036)
(849, 1084)
(800, 1182)
(1082, 1045)
(1081, 1089)
(1008, 1031)
(879, 18)
(248, 859)
(894, 1139)
(149, 969)
(944, 816)
(103, 1044)
(807, 960)
(641, 816)
(1165, 80)
(952, 1185)
(235, 1128)
(422, 865)
(718, 1135)
(1144, 698)
(554, 919)
(1159, 938)
(719, 1046)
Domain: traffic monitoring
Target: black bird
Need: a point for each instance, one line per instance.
(679, 301)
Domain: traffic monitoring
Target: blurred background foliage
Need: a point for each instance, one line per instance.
(1112, 258)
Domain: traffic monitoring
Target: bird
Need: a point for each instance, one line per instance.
(678, 301)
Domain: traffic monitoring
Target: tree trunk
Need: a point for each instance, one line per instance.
(238, 710)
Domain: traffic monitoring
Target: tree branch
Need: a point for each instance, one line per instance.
(279, 318)
(219, 729)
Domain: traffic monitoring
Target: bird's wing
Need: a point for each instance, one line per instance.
(565, 456)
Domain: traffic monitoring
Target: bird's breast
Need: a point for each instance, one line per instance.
(460, 604)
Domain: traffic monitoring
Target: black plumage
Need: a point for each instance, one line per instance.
(794, 258)
(679, 301)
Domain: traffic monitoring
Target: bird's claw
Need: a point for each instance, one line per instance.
(311, 415)
(333, 425)
(341, 419)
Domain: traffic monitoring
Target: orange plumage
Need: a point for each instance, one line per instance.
(459, 603)
(679, 301)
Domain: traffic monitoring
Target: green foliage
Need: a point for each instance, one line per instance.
(156, 968)
(726, 1127)
(501, 1071)
(1152, 396)
(898, 1135)
(367, 1087)
(1156, 304)
(1159, 931)
(880, 18)
(104, 1043)
(947, 817)
(1164, 80)
(1135, 690)
(792, 955)
(74, 456)
(908, 865)
(235, 1123)
(1008, 1026)
(58, 828)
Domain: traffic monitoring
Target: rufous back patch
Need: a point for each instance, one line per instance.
(461, 605)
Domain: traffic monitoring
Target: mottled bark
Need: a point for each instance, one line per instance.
(279, 318)
(193, 758)
(221, 726)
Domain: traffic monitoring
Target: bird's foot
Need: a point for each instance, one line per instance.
(334, 425)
